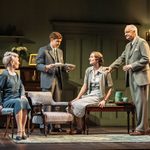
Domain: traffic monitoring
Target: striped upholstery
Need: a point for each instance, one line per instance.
(58, 117)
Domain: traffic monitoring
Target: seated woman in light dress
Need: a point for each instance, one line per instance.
(97, 88)
(13, 92)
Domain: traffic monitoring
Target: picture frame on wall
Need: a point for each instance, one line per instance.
(32, 59)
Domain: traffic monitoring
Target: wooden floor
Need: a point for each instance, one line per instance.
(6, 144)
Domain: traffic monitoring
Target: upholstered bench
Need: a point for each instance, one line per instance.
(111, 107)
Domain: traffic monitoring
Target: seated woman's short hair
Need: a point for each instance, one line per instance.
(8, 56)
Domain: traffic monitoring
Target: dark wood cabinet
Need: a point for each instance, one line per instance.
(30, 78)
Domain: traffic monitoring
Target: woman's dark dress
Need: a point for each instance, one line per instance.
(12, 89)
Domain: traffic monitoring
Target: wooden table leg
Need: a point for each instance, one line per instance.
(133, 120)
(128, 120)
(86, 122)
(12, 127)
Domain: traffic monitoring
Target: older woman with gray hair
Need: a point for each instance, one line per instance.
(13, 92)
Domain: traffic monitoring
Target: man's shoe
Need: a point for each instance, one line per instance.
(19, 136)
(42, 130)
(137, 133)
(58, 130)
(77, 131)
(147, 132)
(61, 130)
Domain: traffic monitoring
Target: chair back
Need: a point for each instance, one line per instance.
(44, 98)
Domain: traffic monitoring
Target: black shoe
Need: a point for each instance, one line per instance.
(42, 130)
(24, 137)
(18, 138)
(77, 131)
(62, 130)
(147, 132)
(58, 130)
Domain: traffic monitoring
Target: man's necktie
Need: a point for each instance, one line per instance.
(55, 55)
(57, 69)
(130, 51)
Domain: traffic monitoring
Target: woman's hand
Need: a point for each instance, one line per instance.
(102, 103)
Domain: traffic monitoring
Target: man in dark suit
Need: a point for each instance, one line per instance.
(51, 75)
(136, 58)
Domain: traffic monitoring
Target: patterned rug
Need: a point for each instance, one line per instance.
(83, 138)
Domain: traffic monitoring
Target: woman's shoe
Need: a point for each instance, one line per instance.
(24, 136)
(18, 138)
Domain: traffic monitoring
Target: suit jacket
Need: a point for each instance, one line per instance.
(46, 57)
(139, 58)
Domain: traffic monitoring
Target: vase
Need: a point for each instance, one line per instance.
(118, 96)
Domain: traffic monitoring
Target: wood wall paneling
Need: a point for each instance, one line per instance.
(80, 40)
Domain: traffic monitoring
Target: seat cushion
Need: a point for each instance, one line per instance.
(58, 117)
(6, 111)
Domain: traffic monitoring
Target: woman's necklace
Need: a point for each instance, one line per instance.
(11, 72)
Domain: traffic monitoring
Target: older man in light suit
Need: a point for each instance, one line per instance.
(51, 76)
(136, 58)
